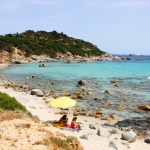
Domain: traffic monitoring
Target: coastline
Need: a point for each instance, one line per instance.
(37, 106)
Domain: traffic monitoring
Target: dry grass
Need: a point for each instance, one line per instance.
(63, 143)
(17, 114)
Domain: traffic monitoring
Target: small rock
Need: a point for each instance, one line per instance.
(76, 113)
(129, 136)
(103, 132)
(90, 93)
(91, 126)
(107, 92)
(112, 144)
(147, 140)
(85, 136)
(113, 131)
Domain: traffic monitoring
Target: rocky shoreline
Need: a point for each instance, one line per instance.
(18, 57)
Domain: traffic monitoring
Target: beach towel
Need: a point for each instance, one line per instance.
(58, 125)
(69, 128)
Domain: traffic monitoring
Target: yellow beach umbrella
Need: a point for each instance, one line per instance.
(63, 102)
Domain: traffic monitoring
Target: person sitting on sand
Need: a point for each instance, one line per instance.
(74, 124)
(63, 120)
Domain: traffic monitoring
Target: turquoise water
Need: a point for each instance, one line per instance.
(97, 70)
(132, 76)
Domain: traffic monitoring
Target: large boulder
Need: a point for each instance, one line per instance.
(37, 92)
(82, 82)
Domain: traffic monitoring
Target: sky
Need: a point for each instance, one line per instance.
(114, 26)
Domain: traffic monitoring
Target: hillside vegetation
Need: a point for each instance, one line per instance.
(50, 43)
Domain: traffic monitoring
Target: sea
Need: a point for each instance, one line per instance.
(131, 77)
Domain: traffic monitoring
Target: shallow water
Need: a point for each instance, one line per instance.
(133, 78)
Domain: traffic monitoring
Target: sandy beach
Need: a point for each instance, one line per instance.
(45, 112)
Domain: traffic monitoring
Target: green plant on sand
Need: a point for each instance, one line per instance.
(10, 103)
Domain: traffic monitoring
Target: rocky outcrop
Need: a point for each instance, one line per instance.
(109, 57)
(17, 56)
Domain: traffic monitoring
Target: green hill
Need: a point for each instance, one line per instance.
(50, 43)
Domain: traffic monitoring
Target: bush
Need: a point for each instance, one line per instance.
(66, 143)
(10, 103)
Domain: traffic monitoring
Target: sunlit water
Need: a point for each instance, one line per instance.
(132, 76)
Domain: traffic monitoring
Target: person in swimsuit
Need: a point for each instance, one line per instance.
(63, 120)
(74, 124)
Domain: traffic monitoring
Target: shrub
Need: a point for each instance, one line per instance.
(10, 103)
(67, 143)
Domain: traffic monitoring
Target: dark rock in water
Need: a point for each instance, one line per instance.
(112, 82)
(80, 97)
(107, 92)
(96, 99)
(17, 62)
(144, 123)
(34, 76)
(41, 65)
(82, 82)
